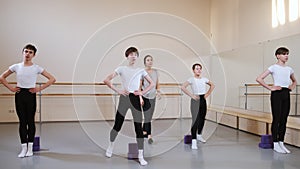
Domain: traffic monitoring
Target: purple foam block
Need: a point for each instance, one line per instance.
(36, 141)
(132, 148)
(36, 148)
(131, 156)
(266, 139)
(188, 139)
(266, 142)
(265, 146)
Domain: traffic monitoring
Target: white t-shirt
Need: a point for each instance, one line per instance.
(131, 77)
(26, 75)
(198, 85)
(281, 75)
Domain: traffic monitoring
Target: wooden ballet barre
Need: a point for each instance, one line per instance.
(246, 94)
(171, 94)
(67, 83)
(79, 94)
(256, 84)
(86, 94)
(77, 83)
(256, 94)
(7, 94)
(90, 94)
(96, 94)
(89, 83)
(62, 94)
(260, 94)
(100, 94)
(170, 84)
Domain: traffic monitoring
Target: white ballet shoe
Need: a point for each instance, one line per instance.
(141, 158)
(109, 150)
(194, 144)
(23, 151)
(29, 150)
(200, 138)
(281, 144)
(277, 148)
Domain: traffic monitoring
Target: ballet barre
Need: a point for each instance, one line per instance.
(53, 92)
(84, 93)
(90, 83)
(247, 93)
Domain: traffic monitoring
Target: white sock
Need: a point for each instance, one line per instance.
(194, 144)
(23, 151)
(109, 150)
(141, 158)
(29, 150)
(281, 144)
(200, 138)
(277, 148)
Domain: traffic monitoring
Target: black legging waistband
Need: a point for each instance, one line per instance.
(24, 89)
(285, 88)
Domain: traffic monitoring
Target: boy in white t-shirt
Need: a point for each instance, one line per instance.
(130, 98)
(25, 95)
(280, 96)
(198, 101)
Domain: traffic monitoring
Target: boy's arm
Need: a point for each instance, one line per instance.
(186, 91)
(108, 79)
(294, 82)
(5, 82)
(50, 81)
(260, 80)
(211, 88)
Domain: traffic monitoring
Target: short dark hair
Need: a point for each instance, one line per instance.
(30, 47)
(196, 64)
(282, 50)
(147, 56)
(131, 50)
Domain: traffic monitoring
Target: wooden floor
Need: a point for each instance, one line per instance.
(82, 145)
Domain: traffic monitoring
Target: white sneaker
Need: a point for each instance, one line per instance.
(29, 153)
(194, 144)
(109, 150)
(281, 144)
(200, 138)
(143, 161)
(277, 148)
(23, 151)
(29, 150)
(141, 158)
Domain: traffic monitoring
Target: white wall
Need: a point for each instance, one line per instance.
(84, 40)
(245, 41)
(239, 23)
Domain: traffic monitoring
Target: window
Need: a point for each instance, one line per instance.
(279, 11)
(293, 10)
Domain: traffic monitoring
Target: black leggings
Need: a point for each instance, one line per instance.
(25, 103)
(129, 102)
(148, 108)
(280, 105)
(198, 110)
